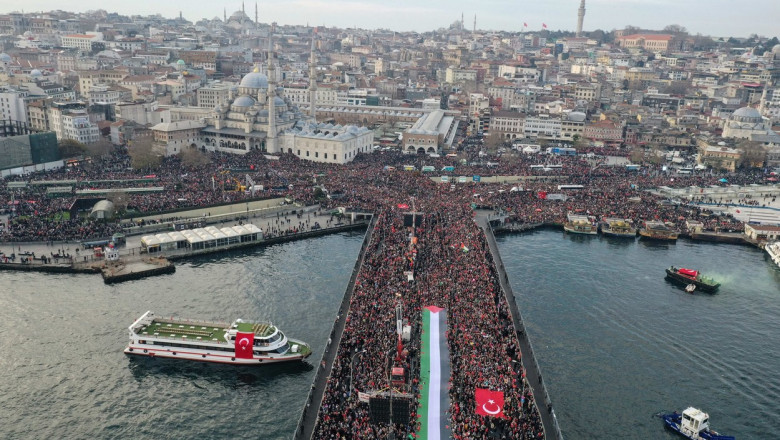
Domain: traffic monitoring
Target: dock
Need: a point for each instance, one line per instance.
(121, 271)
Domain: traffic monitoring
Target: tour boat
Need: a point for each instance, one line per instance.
(658, 231)
(688, 277)
(579, 224)
(692, 424)
(618, 227)
(239, 343)
(773, 249)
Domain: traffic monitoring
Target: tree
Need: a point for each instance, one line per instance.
(193, 158)
(494, 140)
(143, 156)
(71, 148)
(753, 154)
(120, 201)
(676, 29)
(637, 155)
(677, 88)
(99, 149)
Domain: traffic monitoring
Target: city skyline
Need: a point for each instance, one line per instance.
(721, 18)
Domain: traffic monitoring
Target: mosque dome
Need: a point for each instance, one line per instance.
(181, 62)
(747, 114)
(5, 58)
(255, 80)
(775, 50)
(244, 101)
(36, 72)
(279, 101)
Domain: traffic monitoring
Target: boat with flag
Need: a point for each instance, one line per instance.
(579, 224)
(688, 277)
(693, 424)
(237, 343)
(618, 227)
(658, 231)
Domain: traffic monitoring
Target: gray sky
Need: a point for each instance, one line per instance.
(709, 17)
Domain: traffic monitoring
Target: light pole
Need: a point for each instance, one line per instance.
(351, 368)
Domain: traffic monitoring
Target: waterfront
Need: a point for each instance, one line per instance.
(616, 343)
(62, 338)
(606, 328)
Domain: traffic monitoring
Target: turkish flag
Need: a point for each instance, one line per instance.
(544, 25)
(244, 344)
(490, 403)
(525, 24)
(403, 206)
(542, 195)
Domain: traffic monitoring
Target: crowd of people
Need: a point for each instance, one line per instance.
(453, 269)
(446, 252)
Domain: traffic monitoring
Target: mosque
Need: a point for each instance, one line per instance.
(257, 116)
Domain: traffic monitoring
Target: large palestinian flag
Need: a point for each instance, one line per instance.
(434, 376)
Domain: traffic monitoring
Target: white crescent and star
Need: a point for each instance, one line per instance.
(244, 342)
(492, 402)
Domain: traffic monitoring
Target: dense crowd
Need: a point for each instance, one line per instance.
(452, 269)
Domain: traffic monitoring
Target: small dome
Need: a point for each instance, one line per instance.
(244, 101)
(36, 72)
(5, 58)
(279, 101)
(747, 113)
(255, 80)
(181, 62)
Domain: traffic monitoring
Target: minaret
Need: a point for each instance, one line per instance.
(224, 14)
(256, 22)
(243, 9)
(580, 18)
(270, 143)
(474, 30)
(462, 23)
(313, 83)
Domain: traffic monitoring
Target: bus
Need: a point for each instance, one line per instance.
(685, 171)
(569, 187)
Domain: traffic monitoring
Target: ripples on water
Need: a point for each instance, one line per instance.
(64, 374)
(617, 343)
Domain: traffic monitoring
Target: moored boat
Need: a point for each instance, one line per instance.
(692, 424)
(579, 224)
(773, 250)
(658, 231)
(618, 227)
(237, 343)
(687, 277)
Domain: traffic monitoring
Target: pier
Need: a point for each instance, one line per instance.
(308, 418)
(532, 370)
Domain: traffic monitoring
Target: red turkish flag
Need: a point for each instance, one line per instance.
(490, 403)
(403, 206)
(544, 25)
(244, 344)
(542, 195)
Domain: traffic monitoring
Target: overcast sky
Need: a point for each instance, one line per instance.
(709, 17)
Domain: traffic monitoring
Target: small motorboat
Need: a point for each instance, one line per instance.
(692, 424)
(690, 288)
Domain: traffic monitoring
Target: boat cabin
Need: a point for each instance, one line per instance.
(694, 421)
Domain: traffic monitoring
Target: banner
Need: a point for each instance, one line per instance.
(364, 397)
(434, 376)
(244, 344)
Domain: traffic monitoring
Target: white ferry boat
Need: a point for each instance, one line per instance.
(773, 249)
(579, 224)
(238, 343)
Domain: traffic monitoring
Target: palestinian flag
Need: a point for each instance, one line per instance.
(434, 376)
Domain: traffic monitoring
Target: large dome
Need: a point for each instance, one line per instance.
(255, 80)
(5, 58)
(747, 113)
(776, 49)
(244, 101)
